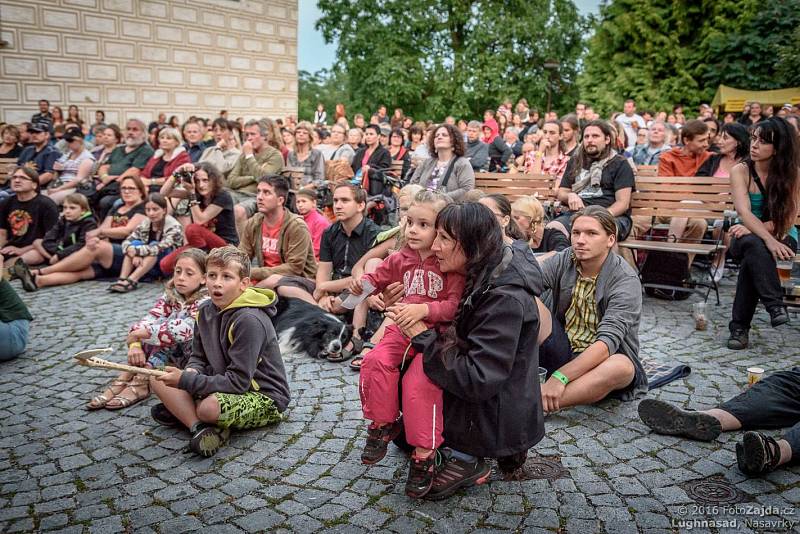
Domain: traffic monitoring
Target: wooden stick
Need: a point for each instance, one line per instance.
(105, 364)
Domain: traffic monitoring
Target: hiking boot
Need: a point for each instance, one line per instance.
(420, 475)
(778, 316)
(21, 270)
(163, 416)
(757, 454)
(454, 474)
(378, 439)
(739, 339)
(664, 418)
(208, 439)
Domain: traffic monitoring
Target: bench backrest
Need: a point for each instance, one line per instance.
(397, 167)
(514, 186)
(647, 170)
(6, 166)
(702, 197)
(295, 177)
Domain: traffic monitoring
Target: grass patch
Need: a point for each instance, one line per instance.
(80, 485)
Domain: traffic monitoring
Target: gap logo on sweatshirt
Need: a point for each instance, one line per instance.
(414, 283)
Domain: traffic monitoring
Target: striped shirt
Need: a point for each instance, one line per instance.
(581, 316)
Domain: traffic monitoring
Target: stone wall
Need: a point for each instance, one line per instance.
(136, 58)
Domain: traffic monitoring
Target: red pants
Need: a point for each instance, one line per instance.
(422, 399)
(197, 236)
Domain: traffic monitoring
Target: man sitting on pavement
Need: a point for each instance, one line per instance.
(597, 297)
(773, 402)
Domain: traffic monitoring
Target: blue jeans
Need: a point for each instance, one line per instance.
(13, 338)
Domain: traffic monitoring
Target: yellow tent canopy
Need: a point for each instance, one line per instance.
(732, 99)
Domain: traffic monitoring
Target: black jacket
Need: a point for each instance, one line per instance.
(67, 237)
(499, 154)
(492, 400)
(379, 162)
(709, 166)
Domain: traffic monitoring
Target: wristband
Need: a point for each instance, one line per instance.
(558, 375)
(135, 345)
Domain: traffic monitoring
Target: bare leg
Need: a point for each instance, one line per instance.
(786, 451)
(208, 410)
(727, 419)
(179, 402)
(148, 262)
(34, 257)
(240, 214)
(81, 259)
(545, 322)
(270, 282)
(127, 267)
(614, 373)
(62, 279)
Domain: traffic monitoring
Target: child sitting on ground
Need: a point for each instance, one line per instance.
(69, 233)
(235, 377)
(151, 241)
(164, 335)
(432, 297)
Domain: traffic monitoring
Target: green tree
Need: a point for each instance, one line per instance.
(664, 52)
(459, 57)
(325, 86)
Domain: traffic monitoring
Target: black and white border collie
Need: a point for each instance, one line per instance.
(304, 329)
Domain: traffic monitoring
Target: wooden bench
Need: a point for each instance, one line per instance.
(517, 185)
(6, 166)
(397, 167)
(295, 177)
(647, 170)
(691, 197)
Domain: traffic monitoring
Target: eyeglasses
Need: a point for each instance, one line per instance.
(128, 188)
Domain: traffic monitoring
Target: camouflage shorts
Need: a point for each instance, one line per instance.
(251, 410)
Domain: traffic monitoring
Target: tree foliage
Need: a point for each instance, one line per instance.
(439, 57)
(324, 86)
(664, 52)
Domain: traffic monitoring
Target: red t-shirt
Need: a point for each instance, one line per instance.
(269, 243)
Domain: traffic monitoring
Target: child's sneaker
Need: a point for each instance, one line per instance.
(378, 439)
(208, 439)
(421, 473)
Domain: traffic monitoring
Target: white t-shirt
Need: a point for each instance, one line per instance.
(627, 125)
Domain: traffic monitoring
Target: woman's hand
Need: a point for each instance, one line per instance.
(130, 252)
(376, 302)
(552, 391)
(413, 330)
(58, 166)
(404, 315)
(136, 355)
(779, 250)
(738, 231)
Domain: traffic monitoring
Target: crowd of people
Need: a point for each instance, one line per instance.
(492, 311)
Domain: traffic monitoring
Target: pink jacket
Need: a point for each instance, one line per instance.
(317, 223)
(423, 283)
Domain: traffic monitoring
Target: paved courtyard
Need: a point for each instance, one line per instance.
(65, 469)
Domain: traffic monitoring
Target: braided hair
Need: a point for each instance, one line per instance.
(476, 230)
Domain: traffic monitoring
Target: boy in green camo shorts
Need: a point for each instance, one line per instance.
(235, 377)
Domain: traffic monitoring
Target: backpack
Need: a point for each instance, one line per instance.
(667, 268)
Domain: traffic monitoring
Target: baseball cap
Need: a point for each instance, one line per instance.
(787, 106)
(72, 134)
(38, 127)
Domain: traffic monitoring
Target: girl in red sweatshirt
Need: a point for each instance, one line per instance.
(432, 297)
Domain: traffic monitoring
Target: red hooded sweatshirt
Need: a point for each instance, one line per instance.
(492, 125)
(423, 283)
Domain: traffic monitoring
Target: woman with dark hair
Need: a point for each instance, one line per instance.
(734, 146)
(487, 361)
(210, 222)
(173, 122)
(501, 208)
(447, 170)
(765, 189)
(10, 137)
(399, 152)
(371, 160)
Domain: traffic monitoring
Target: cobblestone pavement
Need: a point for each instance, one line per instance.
(63, 468)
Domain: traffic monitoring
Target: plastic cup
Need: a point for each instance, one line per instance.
(542, 375)
(699, 314)
(754, 374)
(784, 270)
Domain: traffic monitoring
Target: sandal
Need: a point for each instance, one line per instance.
(358, 361)
(123, 285)
(100, 401)
(135, 385)
(346, 354)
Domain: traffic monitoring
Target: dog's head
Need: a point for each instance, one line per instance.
(329, 333)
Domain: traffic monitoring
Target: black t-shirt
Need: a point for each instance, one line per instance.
(13, 153)
(343, 251)
(617, 174)
(224, 224)
(122, 219)
(552, 241)
(25, 222)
